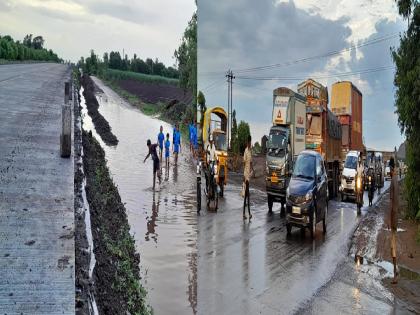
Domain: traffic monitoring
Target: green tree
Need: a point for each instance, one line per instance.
(186, 56)
(243, 133)
(201, 100)
(234, 134)
(407, 82)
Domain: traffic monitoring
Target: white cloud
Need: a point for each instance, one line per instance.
(147, 27)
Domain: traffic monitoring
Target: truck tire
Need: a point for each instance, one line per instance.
(288, 228)
(270, 203)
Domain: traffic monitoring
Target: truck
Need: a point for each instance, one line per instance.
(285, 141)
(347, 105)
(323, 131)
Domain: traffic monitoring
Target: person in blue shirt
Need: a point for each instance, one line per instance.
(167, 148)
(173, 138)
(195, 140)
(161, 138)
(177, 143)
(190, 134)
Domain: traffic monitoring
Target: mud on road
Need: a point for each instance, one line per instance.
(117, 273)
(101, 124)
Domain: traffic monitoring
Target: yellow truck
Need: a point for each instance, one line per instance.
(215, 124)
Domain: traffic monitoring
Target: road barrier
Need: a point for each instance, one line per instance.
(65, 137)
(66, 92)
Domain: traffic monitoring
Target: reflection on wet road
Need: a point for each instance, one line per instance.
(164, 222)
(253, 268)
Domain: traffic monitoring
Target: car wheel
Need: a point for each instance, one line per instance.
(324, 220)
(313, 224)
(289, 228)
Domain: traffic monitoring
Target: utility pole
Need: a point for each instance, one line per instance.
(230, 78)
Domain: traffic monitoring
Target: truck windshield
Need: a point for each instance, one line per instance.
(304, 167)
(351, 162)
(277, 140)
(220, 142)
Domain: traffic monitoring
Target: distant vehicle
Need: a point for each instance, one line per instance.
(347, 105)
(380, 170)
(348, 182)
(323, 131)
(285, 141)
(307, 194)
(387, 171)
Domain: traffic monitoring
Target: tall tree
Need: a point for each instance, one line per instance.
(38, 42)
(407, 81)
(186, 56)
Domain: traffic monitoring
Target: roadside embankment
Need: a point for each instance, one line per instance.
(101, 124)
(372, 243)
(117, 274)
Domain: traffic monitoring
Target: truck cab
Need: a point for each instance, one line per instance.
(285, 141)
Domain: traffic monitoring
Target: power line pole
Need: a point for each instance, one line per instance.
(230, 78)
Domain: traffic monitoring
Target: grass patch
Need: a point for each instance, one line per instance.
(117, 272)
(112, 74)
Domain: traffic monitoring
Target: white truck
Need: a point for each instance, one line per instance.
(285, 141)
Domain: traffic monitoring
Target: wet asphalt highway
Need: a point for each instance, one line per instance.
(253, 268)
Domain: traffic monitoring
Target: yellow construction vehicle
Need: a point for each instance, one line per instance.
(215, 124)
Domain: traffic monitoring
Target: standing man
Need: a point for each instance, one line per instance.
(248, 169)
(161, 138)
(155, 158)
(190, 134)
(394, 196)
(177, 143)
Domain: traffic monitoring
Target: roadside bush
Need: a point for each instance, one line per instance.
(243, 133)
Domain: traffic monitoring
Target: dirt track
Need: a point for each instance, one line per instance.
(101, 124)
(154, 93)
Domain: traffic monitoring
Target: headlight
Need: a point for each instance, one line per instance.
(359, 183)
(308, 196)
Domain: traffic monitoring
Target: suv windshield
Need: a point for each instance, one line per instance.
(351, 162)
(277, 142)
(304, 166)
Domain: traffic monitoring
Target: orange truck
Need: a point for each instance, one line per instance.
(346, 104)
(323, 130)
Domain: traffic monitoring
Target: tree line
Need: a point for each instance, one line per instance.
(31, 48)
(112, 60)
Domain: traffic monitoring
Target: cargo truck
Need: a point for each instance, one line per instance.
(346, 104)
(323, 131)
(285, 141)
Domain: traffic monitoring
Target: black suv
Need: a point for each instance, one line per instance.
(307, 194)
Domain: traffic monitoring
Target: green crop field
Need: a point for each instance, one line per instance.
(112, 74)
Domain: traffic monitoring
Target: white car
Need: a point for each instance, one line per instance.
(347, 186)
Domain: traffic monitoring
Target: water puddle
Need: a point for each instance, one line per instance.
(164, 222)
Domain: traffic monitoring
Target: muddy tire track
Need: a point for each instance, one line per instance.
(101, 124)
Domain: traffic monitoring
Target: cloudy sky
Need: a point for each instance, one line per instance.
(71, 28)
(240, 34)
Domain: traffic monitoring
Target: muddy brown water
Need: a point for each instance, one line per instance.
(164, 223)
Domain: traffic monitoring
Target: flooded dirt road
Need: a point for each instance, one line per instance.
(164, 223)
(253, 268)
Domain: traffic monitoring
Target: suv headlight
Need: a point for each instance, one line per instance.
(308, 196)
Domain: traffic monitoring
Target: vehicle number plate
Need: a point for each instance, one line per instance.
(274, 179)
(296, 210)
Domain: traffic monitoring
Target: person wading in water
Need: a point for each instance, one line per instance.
(155, 158)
